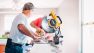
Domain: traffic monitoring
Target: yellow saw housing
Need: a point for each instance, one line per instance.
(54, 16)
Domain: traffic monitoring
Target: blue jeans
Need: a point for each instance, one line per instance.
(12, 48)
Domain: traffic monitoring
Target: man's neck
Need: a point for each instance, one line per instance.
(25, 14)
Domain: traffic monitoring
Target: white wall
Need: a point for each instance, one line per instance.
(69, 12)
(88, 29)
(43, 11)
(1, 24)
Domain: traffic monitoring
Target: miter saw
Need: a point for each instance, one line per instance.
(51, 24)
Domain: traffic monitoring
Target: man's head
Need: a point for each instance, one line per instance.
(28, 8)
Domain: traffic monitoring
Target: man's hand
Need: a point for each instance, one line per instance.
(40, 31)
(37, 39)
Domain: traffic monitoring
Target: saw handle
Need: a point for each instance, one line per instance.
(60, 19)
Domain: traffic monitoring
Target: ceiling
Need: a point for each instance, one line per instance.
(37, 3)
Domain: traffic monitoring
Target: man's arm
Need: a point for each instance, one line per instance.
(25, 31)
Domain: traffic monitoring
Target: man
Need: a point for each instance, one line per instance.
(19, 31)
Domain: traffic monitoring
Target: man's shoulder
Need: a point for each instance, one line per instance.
(19, 15)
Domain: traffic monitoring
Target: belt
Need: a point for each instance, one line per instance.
(16, 44)
(29, 44)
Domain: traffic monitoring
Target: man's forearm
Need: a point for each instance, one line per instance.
(25, 31)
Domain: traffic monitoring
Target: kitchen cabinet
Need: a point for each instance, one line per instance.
(2, 48)
(2, 45)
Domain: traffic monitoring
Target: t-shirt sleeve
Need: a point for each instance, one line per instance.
(21, 21)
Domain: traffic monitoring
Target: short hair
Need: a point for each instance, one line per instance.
(28, 6)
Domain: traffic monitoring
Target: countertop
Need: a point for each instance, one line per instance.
(3, 41)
